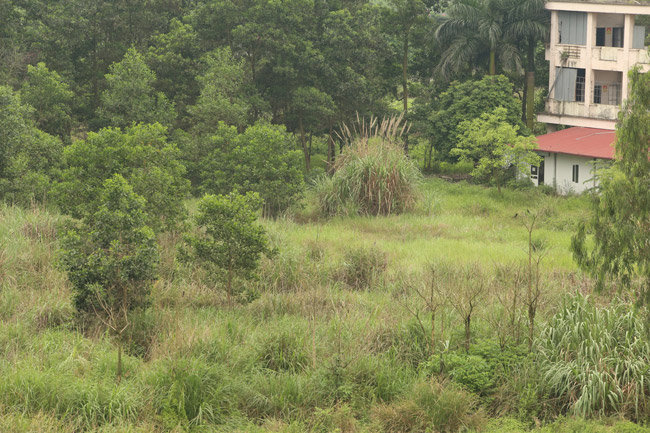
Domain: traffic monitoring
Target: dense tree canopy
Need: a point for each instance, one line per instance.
(619, 224)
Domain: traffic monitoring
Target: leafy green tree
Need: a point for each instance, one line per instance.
(495, 147)
(110, 257)
(313, 110)
(618, 248)
(222, 98)
(401, 18)
(230, 242)
(130, 96)
(51, 98)
(465, 101)
(263, 159)
(142, 155)
(174, 57)
(29, 158)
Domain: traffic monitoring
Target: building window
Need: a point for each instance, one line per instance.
(575, 175)
(617, 37)
(580, 86)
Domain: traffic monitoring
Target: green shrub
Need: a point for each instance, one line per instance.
(594, 361)
(30, 160)
(264, 159)
(471, 371)
(372, 177)
(143, 156)
(229, 241)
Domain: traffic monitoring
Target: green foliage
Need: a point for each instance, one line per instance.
(263, 159)
(371, 178)
(130, 96)
(471, 371)
(221, 98)
(110, 256)
(620, 250)
(495, 147)
(230, 242)
(593, 360)
(465, 102)
(51, 98)
(29, 158)
(143, 156)
(174, 57)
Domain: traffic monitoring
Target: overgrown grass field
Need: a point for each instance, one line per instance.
(333, 336)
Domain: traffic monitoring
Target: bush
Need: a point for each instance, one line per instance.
(264, 159)
(372, 177)
(29, 159)
(143, 156)
(471, 371)
(594, 360)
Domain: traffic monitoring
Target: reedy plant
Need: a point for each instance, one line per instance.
(372, 176)
(594, 360)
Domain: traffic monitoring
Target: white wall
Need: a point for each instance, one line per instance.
(558, 172)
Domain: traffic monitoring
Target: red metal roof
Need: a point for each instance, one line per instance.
(590, 142)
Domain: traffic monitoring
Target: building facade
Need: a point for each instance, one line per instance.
(592, 47)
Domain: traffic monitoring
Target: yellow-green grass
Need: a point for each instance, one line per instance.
(455, 222)
(272, 363)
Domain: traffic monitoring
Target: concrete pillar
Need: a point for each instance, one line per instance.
(553, 47)
(628, 35)
(589, 76)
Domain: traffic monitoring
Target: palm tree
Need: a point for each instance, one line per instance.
(472, 28)
(501, 28)
(528, 22)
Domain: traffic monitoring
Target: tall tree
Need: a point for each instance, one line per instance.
(472, 29)
(130, 96)
(110, 257)
(401, 17)
(51, 98)
(527, 22)
(619, 251)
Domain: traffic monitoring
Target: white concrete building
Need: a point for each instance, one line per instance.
(592, 47)
(571, 157)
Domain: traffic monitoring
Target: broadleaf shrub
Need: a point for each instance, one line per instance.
(143, 156)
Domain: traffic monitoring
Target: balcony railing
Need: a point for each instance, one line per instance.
(580, 109)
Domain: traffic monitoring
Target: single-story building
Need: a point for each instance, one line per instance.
(571, 156)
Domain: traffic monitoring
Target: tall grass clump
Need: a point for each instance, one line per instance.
(595, 360)
(373, 175)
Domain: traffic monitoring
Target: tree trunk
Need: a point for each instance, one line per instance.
(531, 326)
(433, 333)
(119, 360)
(305, 150)
(468, 331)
(493, 63)
(405, 87)
(229, 288)
(530, 85)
